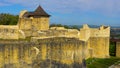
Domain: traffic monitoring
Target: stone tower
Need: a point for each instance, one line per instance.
(34, 21)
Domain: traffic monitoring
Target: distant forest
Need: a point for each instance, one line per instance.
(66, 26)
(8, 19)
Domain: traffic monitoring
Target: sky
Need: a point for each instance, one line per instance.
(70, 12)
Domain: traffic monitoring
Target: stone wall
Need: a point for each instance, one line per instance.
(58, 33)
(25, 23)
(8, 32)
(44, 53)
(97, 41)
(94, 38)
(101, 32)
(40, 23)
(30, 26)
(99, 47)
(117, 49)
(84, 33)
(34, 24)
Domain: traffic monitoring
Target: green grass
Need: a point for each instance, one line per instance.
(101, 63)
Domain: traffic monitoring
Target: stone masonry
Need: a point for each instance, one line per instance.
(55, 47)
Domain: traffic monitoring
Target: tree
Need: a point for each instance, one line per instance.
(8, 19)
(66, 26)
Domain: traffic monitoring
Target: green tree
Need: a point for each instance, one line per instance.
(112, 49)
(74, 27)
(8, 19)
(56, 25)
(66, 26)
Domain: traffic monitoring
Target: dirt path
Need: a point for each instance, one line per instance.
(116, 65)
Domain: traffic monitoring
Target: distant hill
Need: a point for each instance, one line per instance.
(73, 26)
(80, 26)
(115, 26)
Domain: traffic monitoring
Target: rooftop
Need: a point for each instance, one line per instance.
(39, 12)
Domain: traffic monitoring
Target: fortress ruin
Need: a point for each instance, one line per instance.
(55, 47)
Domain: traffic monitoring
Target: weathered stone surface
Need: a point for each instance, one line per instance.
(8, 32)
(99, 47)
(56, 47)
(52, 53)
(118, 49)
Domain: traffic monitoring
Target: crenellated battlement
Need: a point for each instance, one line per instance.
(36, 24)
(83, 34)
(103, 31)
(86, 32)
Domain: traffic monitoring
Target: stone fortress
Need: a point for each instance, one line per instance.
(49, 47)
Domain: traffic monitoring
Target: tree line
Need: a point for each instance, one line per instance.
(66, 26)
(8, 19)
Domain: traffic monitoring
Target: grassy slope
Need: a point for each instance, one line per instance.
(101, 63)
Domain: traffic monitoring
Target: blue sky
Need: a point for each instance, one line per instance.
(70, 12)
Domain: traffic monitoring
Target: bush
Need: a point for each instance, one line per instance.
(8, 19)
(112, 49)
